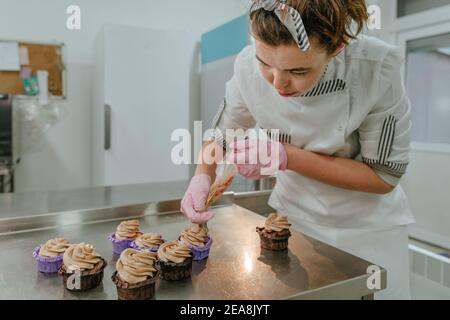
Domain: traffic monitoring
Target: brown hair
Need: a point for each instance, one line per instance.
(328, 21)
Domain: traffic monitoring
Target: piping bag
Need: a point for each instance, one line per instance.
(224, 177)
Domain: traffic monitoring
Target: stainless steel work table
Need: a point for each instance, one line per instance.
(237, 267)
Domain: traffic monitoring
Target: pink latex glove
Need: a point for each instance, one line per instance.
(195, 198)
(257, 159)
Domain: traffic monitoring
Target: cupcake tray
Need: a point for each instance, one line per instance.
(237, 267)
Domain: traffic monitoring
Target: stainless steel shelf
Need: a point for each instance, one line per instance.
(236, 269)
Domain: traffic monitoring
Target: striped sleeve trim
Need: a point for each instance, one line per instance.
(219, 138)
(326, 87)
(279, 136)
(386, 139)
(218, 116)
(396, 169)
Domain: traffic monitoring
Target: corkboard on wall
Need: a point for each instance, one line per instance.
(41, 57)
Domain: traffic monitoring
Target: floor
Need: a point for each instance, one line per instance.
(424, 289)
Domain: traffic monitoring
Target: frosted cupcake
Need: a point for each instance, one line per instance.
(126, 233)
(175, 261)
(148, 242)
(49, 256)
(198, 240)
(275, 233)
(82, 267)
(136, 275)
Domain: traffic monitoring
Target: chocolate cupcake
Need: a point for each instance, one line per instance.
(198, 240)
(49, 256)
(82, 267)
(175, 261)
(126, 233)
(148, 242)
(275, 234)
(136, 275)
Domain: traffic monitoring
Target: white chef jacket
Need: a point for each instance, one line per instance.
(358, 110)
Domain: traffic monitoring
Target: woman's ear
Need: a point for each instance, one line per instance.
(341, 47)
(338, 50)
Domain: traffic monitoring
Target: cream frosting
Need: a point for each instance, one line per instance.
(54, 247)
(173, 251)
(149, 240)
(81, 256)
(195, 236)
(136, 266)
(128, 230)
(277, 223)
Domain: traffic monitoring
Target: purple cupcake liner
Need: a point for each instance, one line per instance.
(119, 245)
(200, 253)
(47, 264)
(151, 249)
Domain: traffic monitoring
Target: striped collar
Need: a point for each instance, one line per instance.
(331, 81)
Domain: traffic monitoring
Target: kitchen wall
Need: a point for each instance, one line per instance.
(64, 162)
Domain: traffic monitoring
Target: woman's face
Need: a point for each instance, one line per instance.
(290, 70)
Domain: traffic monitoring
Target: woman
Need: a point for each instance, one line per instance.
(338, 100)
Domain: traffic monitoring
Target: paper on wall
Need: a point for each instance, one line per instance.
(9, 56)
(23, 56)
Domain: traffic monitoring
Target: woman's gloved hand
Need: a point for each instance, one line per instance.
(194, 200)
(257, 159)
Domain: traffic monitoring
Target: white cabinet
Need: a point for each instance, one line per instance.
(408, 7)
(143, 77)
(427, 78)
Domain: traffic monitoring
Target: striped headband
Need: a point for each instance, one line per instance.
(293, 20)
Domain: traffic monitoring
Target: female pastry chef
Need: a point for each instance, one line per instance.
(338, 101)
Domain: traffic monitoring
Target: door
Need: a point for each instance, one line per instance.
(147, 88)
